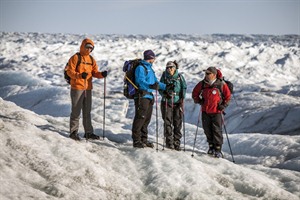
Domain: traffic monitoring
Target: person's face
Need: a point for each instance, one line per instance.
(210, 76)
(171, 70)
(88, 48)
(151, 61)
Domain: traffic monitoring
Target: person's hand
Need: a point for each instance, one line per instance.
(199, 101)
(170, 87)
(196, 101)
(154, 86)
(221, 107)
(104, 73)
(84, 75)
(167, 95)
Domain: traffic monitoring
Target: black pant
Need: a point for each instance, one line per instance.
(142, 118)
(172, 117)
(212, 125)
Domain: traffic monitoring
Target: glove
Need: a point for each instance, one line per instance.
(221, 107)
(84, 75)
(170, 87)
(104, 73)
(196, 101)
(199, 101)
(167, 95)
(155, 86)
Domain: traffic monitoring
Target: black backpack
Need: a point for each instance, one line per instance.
(130, 89)
(219, 86)
(229, 84)
(221, 77)
(66, 76)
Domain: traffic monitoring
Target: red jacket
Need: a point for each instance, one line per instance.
(212, 95)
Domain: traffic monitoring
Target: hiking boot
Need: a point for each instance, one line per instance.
(177, 148)
(219, 154)
(138, 144)
(91, 136)
(170, 146)
(148, 144)
(211, 150)
(74, 136)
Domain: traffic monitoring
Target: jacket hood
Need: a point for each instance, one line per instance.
(146, 63)
(83, 50)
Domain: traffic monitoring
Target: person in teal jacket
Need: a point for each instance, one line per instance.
(147, 82)
(172, 105)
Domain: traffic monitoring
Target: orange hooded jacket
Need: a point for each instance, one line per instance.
(77, 82)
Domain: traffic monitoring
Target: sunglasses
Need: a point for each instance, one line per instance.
(169, 67)
(89, 46)
(208, 73)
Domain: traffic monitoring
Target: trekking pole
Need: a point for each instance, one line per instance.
(227, 138)
(156, 121)
(104, 107)
(85, 108)
(128, 79)
(165, 124)
(166, 107)
(235, 100)
(172, 117)
(196, 132)
(183, 121)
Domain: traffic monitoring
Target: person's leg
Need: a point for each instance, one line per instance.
(217, 134)
(77, 97)
(207, 127)
(141, 108)
(177, 122)
(168, 127)
(148, 115)
(86, 113)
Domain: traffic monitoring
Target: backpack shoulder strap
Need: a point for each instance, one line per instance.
(220, 87)
(78, 60)
(181, 86)
(92, 59)
(144, 67)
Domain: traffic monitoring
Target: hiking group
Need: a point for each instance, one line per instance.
(212, 93)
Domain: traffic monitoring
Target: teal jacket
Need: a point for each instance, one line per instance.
(179, 89)
(143, 79)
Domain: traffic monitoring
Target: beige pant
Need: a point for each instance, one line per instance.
(81, 100)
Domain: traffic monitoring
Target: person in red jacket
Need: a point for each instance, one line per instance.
(81, 89)
(213, 95)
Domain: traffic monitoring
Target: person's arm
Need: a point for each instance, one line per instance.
(196, 92)
(95, 72)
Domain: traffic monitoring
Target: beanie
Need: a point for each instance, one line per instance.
(148, 55)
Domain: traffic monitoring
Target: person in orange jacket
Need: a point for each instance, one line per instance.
(81, 89)
(213, 95)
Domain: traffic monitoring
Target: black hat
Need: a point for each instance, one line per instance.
(148, 55)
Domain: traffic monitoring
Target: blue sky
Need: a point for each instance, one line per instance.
(152, 17)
